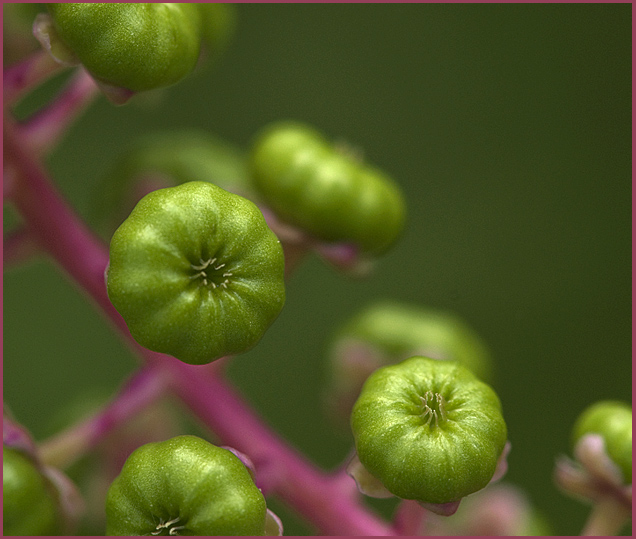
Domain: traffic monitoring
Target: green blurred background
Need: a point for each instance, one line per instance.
(509, 129)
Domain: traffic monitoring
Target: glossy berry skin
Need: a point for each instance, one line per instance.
(196, 273)
(184, 486)
(312, 185)
(136, 46)
(613, 421)
(29, 500)
(428, 430)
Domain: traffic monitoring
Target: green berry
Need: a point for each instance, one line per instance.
(196, 273)
(184, 486)
(29, 501)
(613, 421)
(218, 22)
(311, 184)
(136, 46)
(428, 430)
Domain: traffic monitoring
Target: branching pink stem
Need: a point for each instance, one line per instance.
(15, 436)
(607, 518)
(54, 224)
(320, 498)
(44, 130)
(139, 392)
(21, 78)
(326, 501)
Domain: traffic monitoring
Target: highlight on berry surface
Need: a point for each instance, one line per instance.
(429, 431)
(329, 193)
(196, 273)
(185, 486)
(386, 332)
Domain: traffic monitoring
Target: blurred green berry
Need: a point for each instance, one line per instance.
(613, 421)
(329, 193)
(29, 501)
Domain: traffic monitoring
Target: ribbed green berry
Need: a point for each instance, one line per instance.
(29, 501)
(613, 421)
(428, 430)
(168, 158)
(184, 486)
(311, 184)
(196, 273)
(136, 46)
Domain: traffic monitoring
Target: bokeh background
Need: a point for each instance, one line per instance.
(508, 127)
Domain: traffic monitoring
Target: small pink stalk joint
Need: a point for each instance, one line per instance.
(595, 478)
(367, 484)
(16, 436)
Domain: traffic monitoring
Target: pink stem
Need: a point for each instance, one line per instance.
(313, 494)
(21, 78)
(324, 500)
(47, 126)
(607, 518)
(54, 224)
(17, 437)
(139, 392)
(8, 181)
(410, 518)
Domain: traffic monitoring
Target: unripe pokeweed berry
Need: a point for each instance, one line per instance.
(184, 486)
(136, 46)
(196, 273)
(29, 500)
(310, 184)
(613, 421)
(428, 430)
